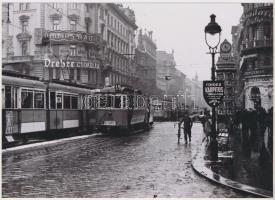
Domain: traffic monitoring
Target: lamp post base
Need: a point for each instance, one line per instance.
(213, 149)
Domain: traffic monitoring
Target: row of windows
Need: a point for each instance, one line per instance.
(120, 101)
(29, 98)
(114, 23)
(116, 43)
(63, 101)
(24, 6)
(55, 73)
(71, 5)
(56, 24)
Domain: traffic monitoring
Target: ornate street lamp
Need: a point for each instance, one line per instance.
(212, 39)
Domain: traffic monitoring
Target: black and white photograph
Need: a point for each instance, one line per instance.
(137, 99)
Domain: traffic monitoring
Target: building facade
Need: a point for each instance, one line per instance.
(226, 71)
(165, 71)
(78, 42)
(255, 46)
(146, 63)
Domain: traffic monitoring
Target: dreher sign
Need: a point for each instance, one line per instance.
(213, 92)
(71, 64)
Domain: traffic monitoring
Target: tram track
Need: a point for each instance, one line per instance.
(56, 148)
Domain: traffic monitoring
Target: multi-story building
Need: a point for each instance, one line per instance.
(256, 55)
(146, 63)
(226, 71)
(117, 26)
(165, 71)
(79, 42)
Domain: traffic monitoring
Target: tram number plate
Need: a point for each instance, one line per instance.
(110, 123)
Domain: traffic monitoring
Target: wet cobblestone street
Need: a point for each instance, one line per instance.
(141, 165)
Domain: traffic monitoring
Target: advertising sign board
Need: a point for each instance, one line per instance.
(213, 92)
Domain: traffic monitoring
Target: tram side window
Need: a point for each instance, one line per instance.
(74, 102)
(8, 97)
(53, 100)
(67, 102)
(59, 101)
(39, 100)
(27, 99)
(103, 101)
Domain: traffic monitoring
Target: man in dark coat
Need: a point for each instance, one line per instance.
(187, 128)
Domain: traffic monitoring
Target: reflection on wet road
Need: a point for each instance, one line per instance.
(142, 165)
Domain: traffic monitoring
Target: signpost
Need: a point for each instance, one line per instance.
(213, 92)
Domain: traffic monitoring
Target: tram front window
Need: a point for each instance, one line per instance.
(117, 101)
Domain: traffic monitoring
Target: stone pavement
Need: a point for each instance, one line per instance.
(236, 169)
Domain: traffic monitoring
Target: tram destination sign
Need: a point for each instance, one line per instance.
(213, 92)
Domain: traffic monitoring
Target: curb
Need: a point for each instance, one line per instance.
(45, 143)
(199, 167)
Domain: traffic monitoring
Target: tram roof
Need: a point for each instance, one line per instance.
(69, 88)
(11, 80)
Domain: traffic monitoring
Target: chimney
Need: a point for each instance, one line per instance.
(150, 34)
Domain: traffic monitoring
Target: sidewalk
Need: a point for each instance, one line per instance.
(236, 168)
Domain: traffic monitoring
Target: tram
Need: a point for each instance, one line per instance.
(32, 108)
(121, 109)
(162, 109)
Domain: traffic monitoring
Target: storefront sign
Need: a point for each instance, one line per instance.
(259, 79)
(71, 64)
(76, 36)
(258, 72)
(213, 92)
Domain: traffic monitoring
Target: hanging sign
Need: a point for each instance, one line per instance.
(213, 92)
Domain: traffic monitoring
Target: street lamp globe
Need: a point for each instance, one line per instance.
(212, 33)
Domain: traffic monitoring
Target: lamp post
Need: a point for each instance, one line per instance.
(212, 39)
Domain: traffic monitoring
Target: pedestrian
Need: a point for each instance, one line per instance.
(187, 127)
(179, 129)
(207, 129)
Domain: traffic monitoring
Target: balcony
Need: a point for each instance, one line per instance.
(18, 59)
(248, 47)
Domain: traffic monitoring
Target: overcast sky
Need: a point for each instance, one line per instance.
(180, 26)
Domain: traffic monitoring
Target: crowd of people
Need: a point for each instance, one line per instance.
(256, 127)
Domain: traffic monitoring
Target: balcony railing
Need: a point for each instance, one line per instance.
(256, 44)
(14, 59)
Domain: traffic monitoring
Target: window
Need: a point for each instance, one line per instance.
(26, 98)
(74, 5)
(55, 25)
(73, 25)
(59, 101)
(101, 13)
(38, 99)
(24, 26)
(72, 50)
(24, 48)
(54, 5)
(57, 73)
(112, 21)
(78, 74)
(87, 27)
(52, 100)
(8, 97)
(71, 74)
(21, 6)
(74, 102)
(117, 101)
(67, 101)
